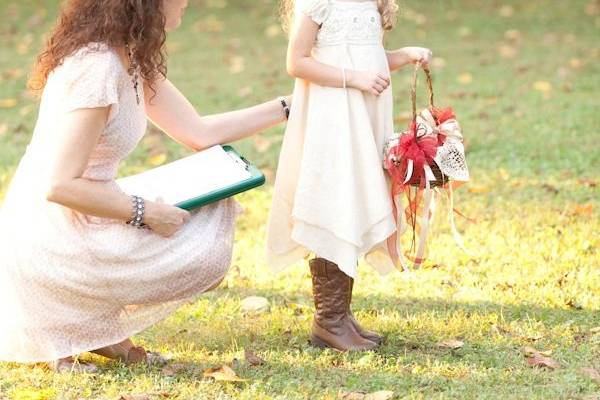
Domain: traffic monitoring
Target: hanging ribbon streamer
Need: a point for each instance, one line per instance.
(410, 159)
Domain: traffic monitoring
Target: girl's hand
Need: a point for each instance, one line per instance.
(419, 54)
(369, 82)
(165, 219)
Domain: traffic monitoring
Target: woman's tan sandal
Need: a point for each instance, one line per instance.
(138, 354)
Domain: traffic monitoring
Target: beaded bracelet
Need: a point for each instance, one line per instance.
(137, 214)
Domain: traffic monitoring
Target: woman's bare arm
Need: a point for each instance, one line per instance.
(175, 115)
(76, 136)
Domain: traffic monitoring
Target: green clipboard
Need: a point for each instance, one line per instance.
(255, 180)
(158, 182)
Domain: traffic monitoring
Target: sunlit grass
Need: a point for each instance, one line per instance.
(529, 112)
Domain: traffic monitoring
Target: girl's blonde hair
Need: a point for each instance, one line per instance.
(387, 8)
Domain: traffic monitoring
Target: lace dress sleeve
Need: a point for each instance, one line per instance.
(317, 10)
(92, 79)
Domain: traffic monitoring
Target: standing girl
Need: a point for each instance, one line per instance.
(331, 196)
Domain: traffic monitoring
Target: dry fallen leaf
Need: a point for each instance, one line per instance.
(252, 358)
(269, 174)
(12, 74)
(589, 183)
(8, 103)
(357, 395)
(134, 397)
(530, 352)
(261, 143)
(576, 63)
(210, 24)
(245, 91)
(592, 8)
(362, 395)
(438, 62)
(402, 117)
(540, 361)
(512, 34)
(478, 189)
(224, 373)
(173, 369)
(507, 51)
(236, 65)
(580, 210)
(380, 395)
(24, 111)
(451, 344)
(592, 374)
(465, 78)
(506, 11)
(157, 160)
(595, 330)
(464, 32)
(542, 86)
(550, 188)
(272, 31)
(23, 45)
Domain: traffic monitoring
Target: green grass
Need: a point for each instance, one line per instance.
(533, 129)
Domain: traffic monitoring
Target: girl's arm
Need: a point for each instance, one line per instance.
(174, 114)
(408, 55)
(301, 64)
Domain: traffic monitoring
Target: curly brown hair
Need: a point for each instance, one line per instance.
(140, 23)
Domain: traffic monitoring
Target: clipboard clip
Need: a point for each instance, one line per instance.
(240, 160)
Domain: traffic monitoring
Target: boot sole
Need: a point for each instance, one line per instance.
(321, 344)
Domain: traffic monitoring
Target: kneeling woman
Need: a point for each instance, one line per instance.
(74, 276)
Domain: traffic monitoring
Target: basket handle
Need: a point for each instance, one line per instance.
(413, 90)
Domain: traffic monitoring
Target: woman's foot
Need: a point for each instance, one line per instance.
(129, 354)
(68, 364)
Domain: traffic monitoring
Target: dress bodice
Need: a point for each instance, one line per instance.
(93, 77)
(345, 22)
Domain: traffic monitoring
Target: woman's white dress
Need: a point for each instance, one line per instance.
(332, 196)
(69, 282)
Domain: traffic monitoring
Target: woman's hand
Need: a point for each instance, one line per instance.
(419, 54)
(165, 219)
(369, 82)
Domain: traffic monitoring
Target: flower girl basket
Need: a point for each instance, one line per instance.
(423, 162)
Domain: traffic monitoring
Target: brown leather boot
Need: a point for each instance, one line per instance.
(370, 335)
(331, 325)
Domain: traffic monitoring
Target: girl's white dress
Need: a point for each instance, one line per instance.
(332, 197)
(69, 282)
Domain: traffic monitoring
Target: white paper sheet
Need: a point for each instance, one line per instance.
(189, 177)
